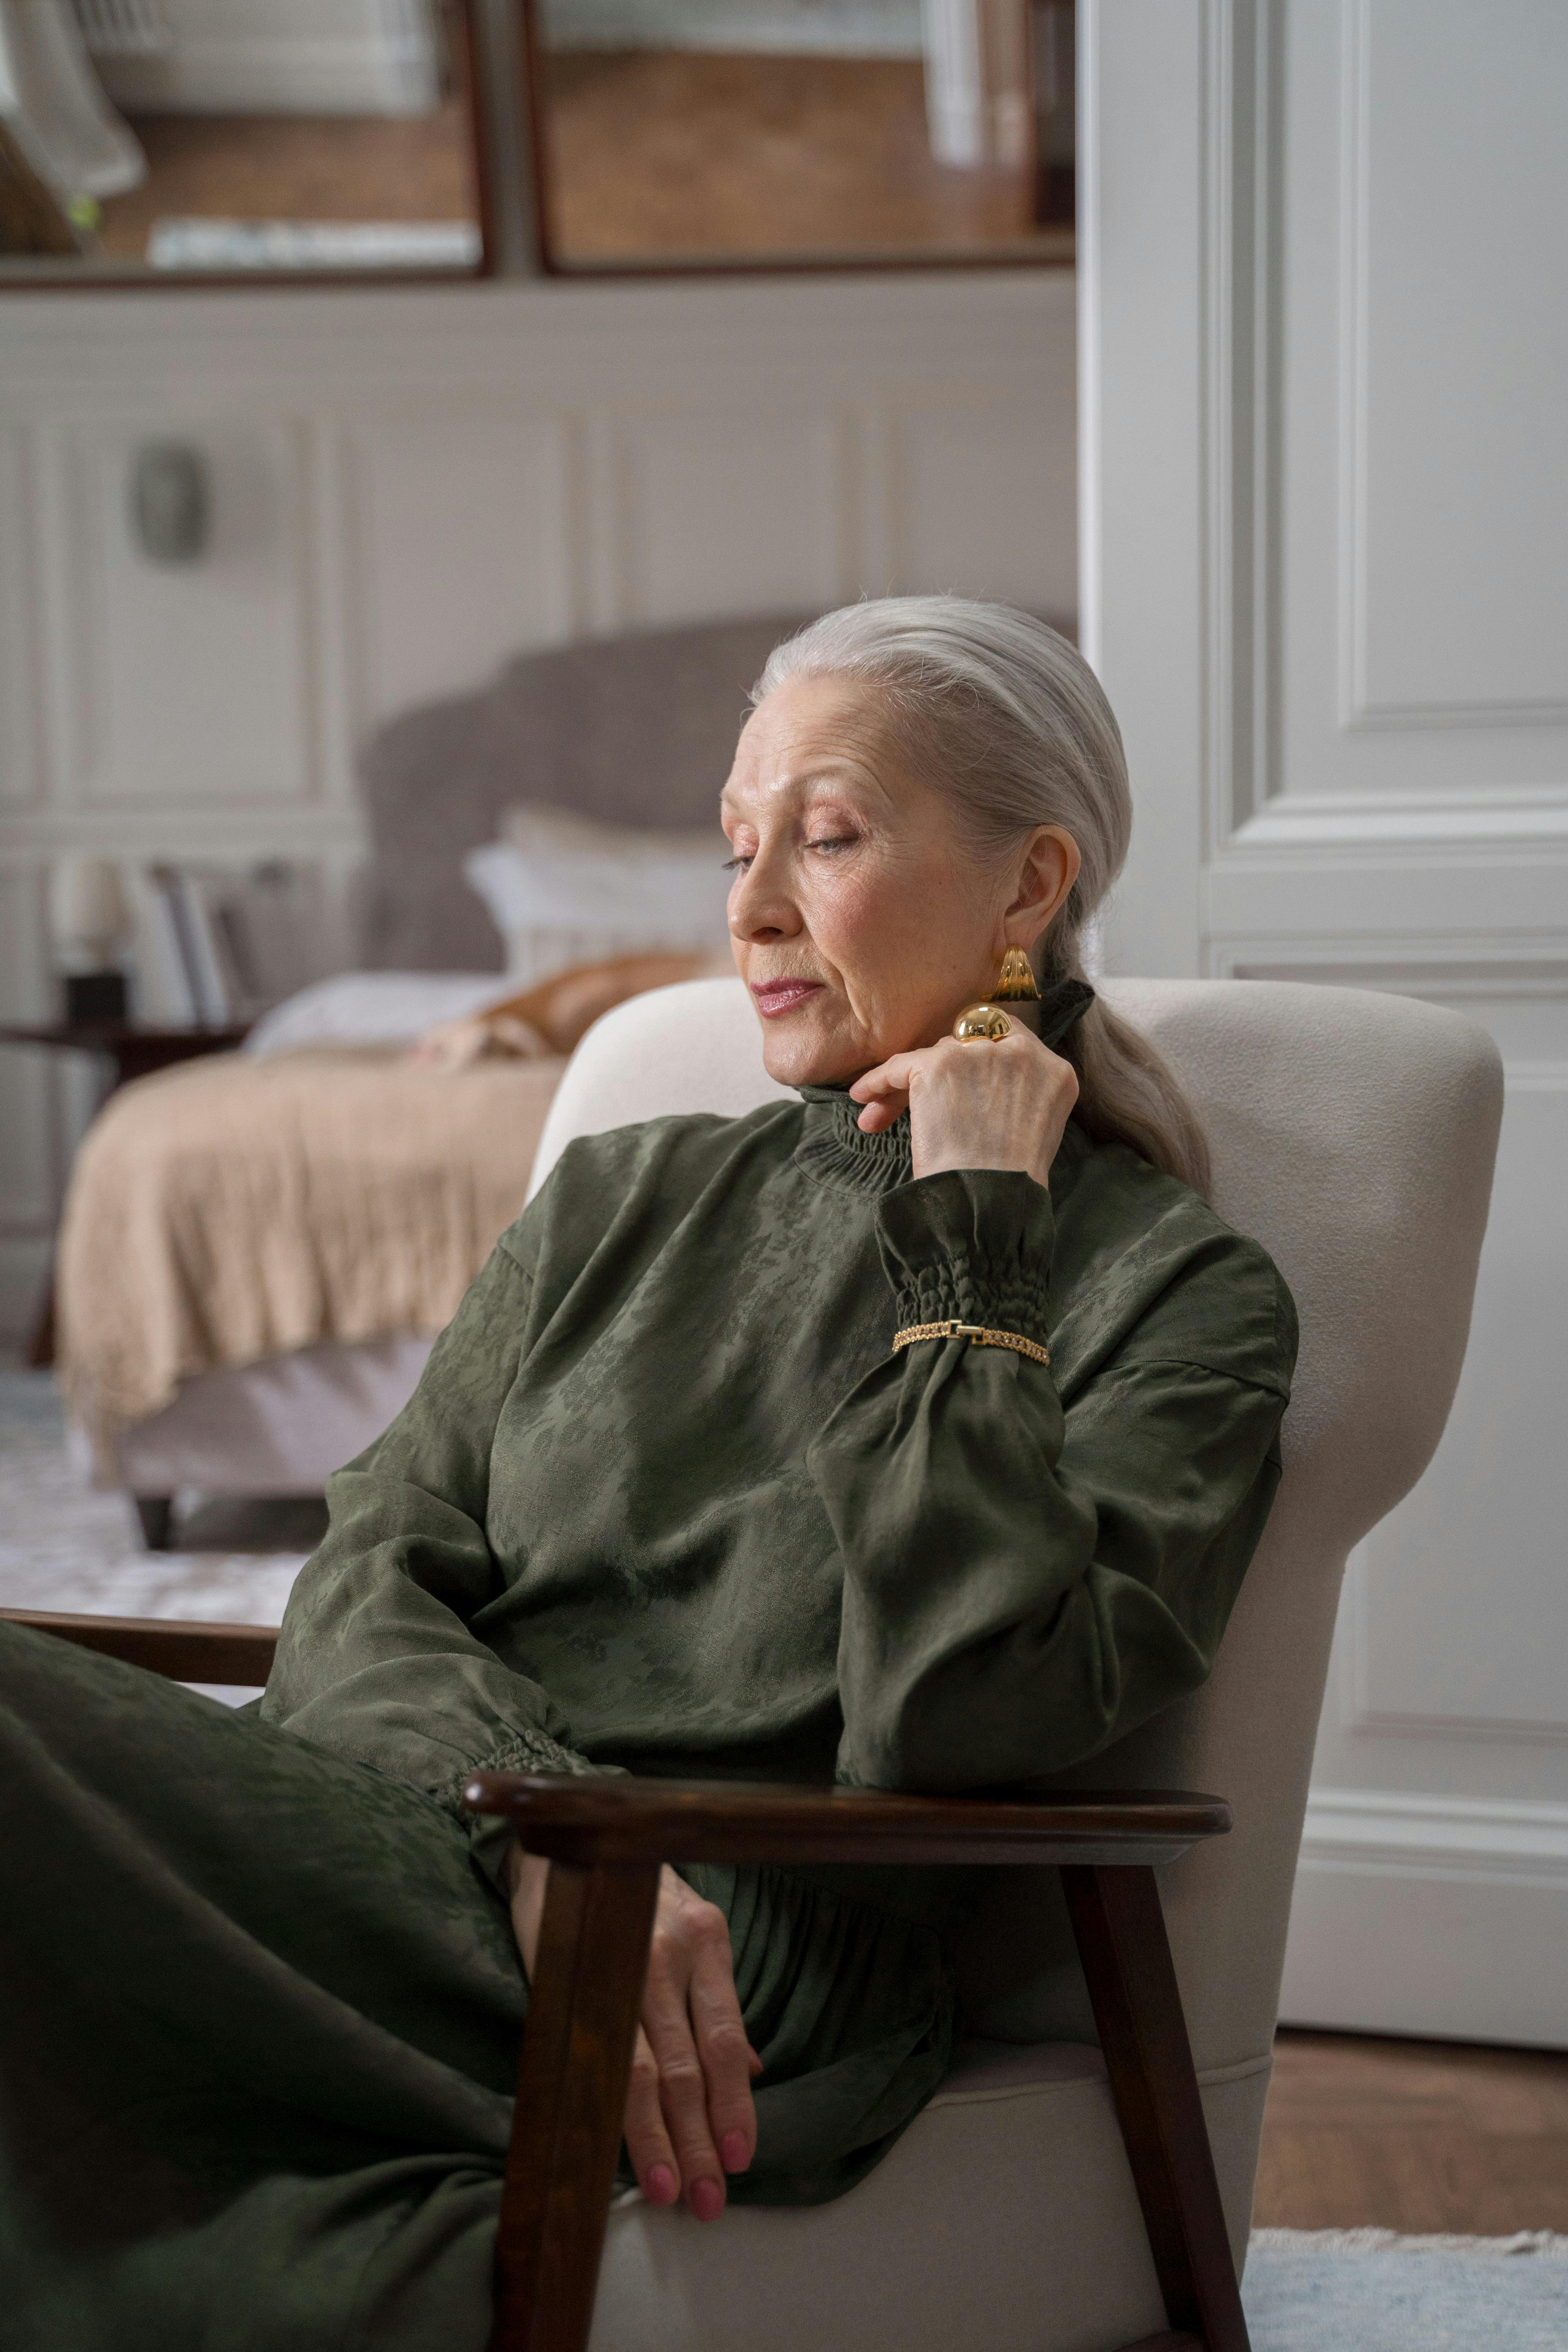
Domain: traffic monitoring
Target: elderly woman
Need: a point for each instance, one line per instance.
(700, 1480)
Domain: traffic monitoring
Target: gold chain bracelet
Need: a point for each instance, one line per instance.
(976, 1334)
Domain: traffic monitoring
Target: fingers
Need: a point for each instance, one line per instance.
(890, 1077)
(885, 1091)
(883, 1113)
(728, 2059)
(683, 2088)
(647, 2142)
(689, 2116)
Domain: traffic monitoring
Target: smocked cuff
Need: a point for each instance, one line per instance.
(490, 1834)
(973, 1245)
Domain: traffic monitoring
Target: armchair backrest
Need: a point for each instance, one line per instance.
(1353, 1134)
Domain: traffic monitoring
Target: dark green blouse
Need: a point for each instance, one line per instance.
(667, 1499)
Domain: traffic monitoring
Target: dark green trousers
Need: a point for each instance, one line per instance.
(259, 2017)
(259, 2023)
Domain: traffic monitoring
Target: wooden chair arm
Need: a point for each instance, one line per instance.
(606, 1839)
(592, 1822)
(184, 1650)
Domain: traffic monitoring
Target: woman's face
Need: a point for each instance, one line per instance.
(859, 919)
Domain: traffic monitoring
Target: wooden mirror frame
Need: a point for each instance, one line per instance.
(491, 72)
(857, 260)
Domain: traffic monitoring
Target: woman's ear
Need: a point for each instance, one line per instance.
(1047, 872)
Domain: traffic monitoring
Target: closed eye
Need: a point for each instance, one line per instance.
(829, 843)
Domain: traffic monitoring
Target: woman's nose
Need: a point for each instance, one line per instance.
(760, 908)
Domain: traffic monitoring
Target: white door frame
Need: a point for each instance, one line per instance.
(1288, 826)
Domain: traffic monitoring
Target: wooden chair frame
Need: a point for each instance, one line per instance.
(606, 1840)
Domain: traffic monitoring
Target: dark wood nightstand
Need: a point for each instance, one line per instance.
(136, 1049)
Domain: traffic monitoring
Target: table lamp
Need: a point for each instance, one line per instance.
(91, 921)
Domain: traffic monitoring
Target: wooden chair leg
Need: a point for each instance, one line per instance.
(571, 2096)
(1120, 1932)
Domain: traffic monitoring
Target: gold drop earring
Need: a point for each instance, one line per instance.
(988, 1022)
(1016, 983)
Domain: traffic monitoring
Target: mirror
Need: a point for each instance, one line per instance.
(713, 134)
(147, 141)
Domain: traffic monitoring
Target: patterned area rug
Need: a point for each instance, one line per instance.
(1373, 2291)
(63, 1545)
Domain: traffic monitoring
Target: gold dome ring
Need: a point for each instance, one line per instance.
(982, 1024)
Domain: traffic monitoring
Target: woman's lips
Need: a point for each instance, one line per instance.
(776, 996)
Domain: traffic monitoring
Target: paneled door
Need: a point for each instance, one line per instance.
(1324, 452)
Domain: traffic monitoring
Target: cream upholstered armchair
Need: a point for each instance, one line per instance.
(1046, 2200)
(1353, 1134)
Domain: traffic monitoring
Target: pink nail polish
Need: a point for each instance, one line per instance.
(661, 2186)
(732, 2149)
(707, 2199)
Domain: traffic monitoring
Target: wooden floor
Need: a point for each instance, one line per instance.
(1413, 2135)
(660, 153)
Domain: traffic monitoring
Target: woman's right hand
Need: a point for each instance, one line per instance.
(689, 2116)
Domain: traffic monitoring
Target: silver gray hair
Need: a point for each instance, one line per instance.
(1001, 712)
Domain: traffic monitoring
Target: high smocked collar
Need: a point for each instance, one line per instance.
(835, 1149)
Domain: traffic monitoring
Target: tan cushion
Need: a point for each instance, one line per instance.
(1005, 2219)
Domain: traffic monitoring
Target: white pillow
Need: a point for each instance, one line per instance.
(564, 889)
(372, 1008)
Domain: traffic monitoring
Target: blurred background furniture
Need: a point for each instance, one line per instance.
(257, 1256)
(132, 1049)
(637, 729)
(1009, 2203)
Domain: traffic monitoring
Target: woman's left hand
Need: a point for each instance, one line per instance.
(1002, 1103)
(690, 2117)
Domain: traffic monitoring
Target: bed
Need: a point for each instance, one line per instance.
(259, 1249)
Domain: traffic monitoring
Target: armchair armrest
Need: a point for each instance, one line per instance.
(184, 1650)
(591, 1822)
(610, 1837)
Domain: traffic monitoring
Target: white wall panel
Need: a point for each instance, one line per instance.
(1459, 356)
(1411, 502)
(956, 532)
(1479, 1548)
(179, 682)
(733, 509)
(460, 524)
(19, 775)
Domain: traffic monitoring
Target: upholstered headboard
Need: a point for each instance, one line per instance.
(640, 729)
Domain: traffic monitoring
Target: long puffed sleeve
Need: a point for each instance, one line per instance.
(378, 1659)
(1027, 1578)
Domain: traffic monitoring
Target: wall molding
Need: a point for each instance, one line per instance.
(1352, 822)
(1429, 1915)
(1498, 969)
(1521, 1842)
